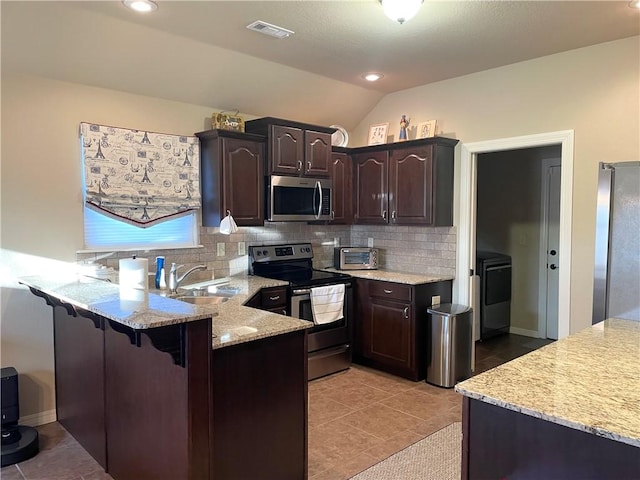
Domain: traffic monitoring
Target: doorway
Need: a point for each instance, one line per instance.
(465, 283)
(517, 217)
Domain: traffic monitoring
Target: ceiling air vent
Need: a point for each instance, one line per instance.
(268, 29)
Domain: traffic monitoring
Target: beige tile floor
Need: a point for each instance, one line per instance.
(356, 419)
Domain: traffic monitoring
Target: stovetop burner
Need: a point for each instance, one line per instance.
(291, 263)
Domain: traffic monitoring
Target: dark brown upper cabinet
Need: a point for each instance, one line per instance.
(371, 187)
(408, 183)
(342, 177)
(294, 148)
(232, 177)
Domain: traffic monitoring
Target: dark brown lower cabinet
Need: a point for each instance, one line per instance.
(504, 444)
(160, 404)
(260, 409)
(129, 402)
(390, 326)
(80, 394)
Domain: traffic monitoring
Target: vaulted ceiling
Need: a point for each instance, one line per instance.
(200, 51)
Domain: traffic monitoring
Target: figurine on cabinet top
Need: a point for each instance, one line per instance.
(404, 123)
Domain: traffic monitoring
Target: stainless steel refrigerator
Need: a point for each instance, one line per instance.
(616, 286)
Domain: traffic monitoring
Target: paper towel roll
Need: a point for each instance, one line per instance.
(134, 273)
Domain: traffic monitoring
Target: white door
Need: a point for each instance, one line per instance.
(552, 250)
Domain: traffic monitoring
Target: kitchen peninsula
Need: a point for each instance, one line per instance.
(568, 410)
(156, 388)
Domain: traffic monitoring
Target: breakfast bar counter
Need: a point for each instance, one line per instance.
(154, 387)
(568, 410)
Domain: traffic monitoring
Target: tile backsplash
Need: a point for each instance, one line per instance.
(423, 250)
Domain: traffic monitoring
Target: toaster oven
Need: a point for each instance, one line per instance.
(355, 258)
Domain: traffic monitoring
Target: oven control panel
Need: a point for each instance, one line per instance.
(267, 253)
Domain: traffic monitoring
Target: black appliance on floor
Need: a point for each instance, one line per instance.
(494, 270)
(19, 443)
(329, 345)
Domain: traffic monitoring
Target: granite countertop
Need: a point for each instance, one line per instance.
(232, 322)
(389, 276)
(589, 381)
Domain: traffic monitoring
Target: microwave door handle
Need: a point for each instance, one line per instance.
(319, 189)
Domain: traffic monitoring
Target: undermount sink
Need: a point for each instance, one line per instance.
(213, 295)
(206, 300)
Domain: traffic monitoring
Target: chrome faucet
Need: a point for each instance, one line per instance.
(174, 280)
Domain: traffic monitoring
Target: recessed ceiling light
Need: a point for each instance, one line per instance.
(372, 76)
(142, 6)
(635, 4)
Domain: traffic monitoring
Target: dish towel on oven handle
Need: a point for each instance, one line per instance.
(326, 303)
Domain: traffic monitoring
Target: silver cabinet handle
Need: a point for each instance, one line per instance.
(299, 165)
(388, 291)
(273, 299)
(308, 166)
(406, 312)
(393, 215)
(384, 214)
(333, 215)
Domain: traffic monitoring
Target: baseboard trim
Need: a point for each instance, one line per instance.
(40, 418)
(524, 332)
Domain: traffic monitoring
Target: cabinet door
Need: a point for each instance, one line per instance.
(341, 175)
(371, 174)
(286, 153)
(243, 184)
(317, 153)
(411, 186)
(388, 333)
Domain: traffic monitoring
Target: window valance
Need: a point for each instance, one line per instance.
(139, 176)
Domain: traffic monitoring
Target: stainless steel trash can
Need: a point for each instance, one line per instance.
(449, 330)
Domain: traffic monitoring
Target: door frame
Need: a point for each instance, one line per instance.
(466, 238)
(546, 164)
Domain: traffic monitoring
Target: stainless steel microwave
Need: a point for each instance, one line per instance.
(298, 199)
(355, 258)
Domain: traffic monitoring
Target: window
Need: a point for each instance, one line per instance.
(102, 232)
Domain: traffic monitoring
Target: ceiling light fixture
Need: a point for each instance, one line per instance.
(270, 29)
(142, 6)
(635, 4)
(401, 10)
(372, 76)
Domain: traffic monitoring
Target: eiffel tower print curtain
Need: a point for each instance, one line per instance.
(138, 176)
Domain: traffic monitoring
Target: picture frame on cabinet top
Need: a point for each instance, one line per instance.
(427, 129)
(378, 133)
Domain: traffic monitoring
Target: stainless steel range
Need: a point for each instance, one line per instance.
(329, 344)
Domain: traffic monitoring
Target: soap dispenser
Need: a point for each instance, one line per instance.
(160, 277)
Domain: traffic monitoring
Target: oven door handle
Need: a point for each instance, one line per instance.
(307, 291)
(302, 291)
(319, 189)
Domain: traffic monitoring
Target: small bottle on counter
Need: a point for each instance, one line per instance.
(160, 277)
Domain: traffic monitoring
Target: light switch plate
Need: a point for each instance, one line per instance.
(370, 242)
(435, 300)
(242, 249)
(221, 249)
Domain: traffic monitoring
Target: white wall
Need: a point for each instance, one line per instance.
(593, 91)
(42, 202)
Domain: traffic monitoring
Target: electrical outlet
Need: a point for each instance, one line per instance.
(435, 300)
(370, 242)
(336, 241)
(221, 249)
(242, 249)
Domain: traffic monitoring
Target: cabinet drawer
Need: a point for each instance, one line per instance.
(396, 291)
(274, 297)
